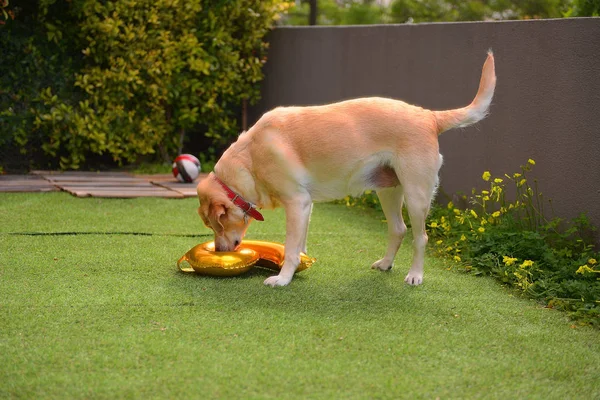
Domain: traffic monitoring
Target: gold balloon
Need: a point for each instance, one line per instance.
(272, 254)
(204, 260)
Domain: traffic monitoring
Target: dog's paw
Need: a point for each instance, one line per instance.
(277, 280)
(382, 265)
(414, 279)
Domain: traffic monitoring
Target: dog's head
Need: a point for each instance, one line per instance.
(218, 213)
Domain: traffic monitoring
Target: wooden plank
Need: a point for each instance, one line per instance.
(25, 183)
(92, 187)
(80, 173)
(61, 178)
(70, 178)
(186, 189)
(155, 178)
(118, 192)
(127, 195)
(9, 178)
(27, 188)
(102, 184)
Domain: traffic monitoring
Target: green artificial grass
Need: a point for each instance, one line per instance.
(92, 306)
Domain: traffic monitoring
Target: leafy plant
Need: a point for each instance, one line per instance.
(353, 12)
(30, 63)
(149, 75)
(368, 199)
(516, 242)
(5, 12)
(584, 8)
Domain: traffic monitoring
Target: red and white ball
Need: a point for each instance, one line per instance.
(186, 168)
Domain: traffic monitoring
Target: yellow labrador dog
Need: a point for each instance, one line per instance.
(294, 156)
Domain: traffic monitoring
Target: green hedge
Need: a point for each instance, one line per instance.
(128, 78)
(516, 242)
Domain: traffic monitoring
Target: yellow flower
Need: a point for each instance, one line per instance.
(439, 242)
(486, 176)
(496, 214)
(530, 161)
(481, 229)
(456, 211)
(592, 261)
(508, 260)
(433, 225)
(457, 258)
(522, 182)
(583, 269)
(496, 190)
(463, 238)
(516, 175)
(527, 263)
(449, 248)
(473, 213)
(486, 198)
(498, 180)
(450, 205)
(485, 192)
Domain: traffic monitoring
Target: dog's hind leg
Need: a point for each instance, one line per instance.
(419, 189)
(418, 208)
(391, 201)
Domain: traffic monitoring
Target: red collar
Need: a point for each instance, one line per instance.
(239, 201)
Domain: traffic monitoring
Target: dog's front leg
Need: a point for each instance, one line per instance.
(297, 216)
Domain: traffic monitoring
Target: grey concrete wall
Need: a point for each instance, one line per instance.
(546, 107)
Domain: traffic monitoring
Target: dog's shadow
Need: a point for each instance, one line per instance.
(370, 292)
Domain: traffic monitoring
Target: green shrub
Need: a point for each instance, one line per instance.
(149, 75)
(518, 244)
(368, 199)
(30, 63)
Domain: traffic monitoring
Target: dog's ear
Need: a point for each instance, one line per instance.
(204, 216)
(215, 212)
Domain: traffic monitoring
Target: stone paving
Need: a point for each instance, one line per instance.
(100, 184)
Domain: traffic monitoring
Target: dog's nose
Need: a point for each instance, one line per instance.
(236, 243)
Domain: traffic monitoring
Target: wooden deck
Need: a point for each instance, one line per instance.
(100, 184)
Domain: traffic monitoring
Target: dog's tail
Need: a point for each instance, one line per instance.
(478, 109)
